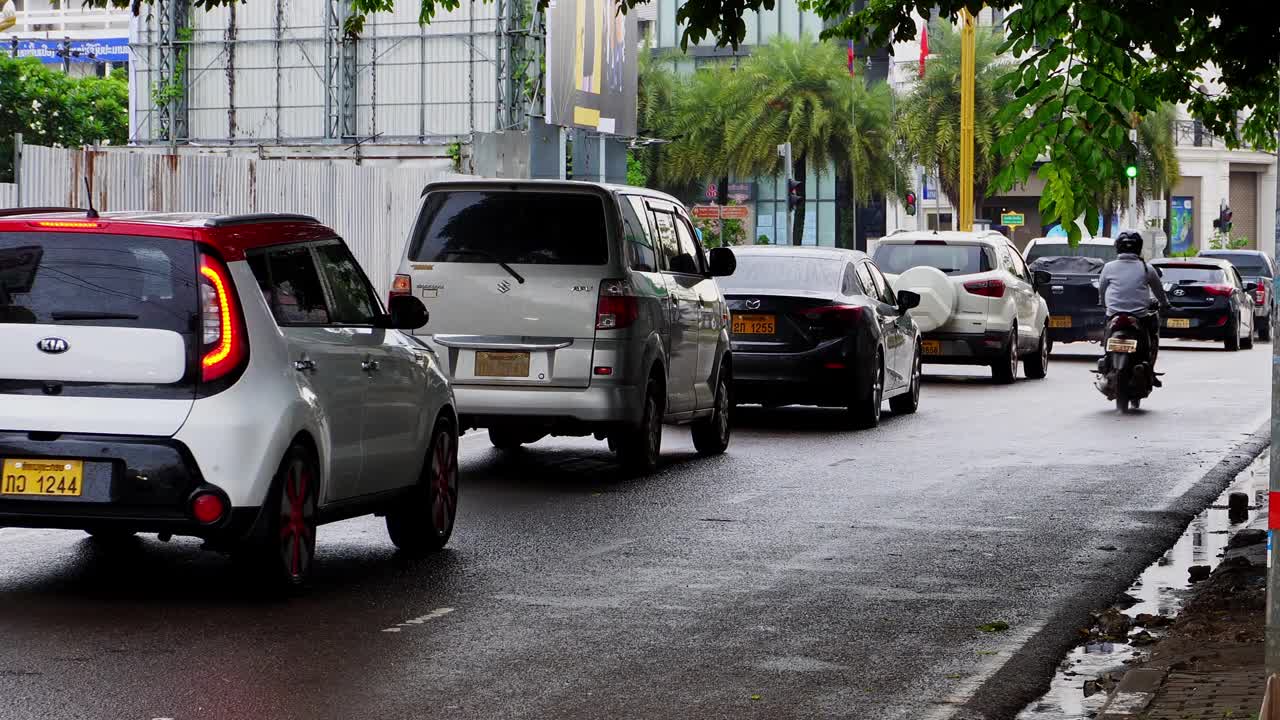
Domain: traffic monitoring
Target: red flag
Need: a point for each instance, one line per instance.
(924, 46)
(852, 57)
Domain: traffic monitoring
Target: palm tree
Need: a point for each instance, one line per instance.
(1157, 161)
(928, 120)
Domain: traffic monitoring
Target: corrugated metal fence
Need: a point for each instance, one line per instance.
(8, 195)
(372, 208)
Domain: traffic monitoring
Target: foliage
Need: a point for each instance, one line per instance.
(928, 122)
(52, 109)
(455, 156)
(734, 232)
(1156, 156)
(1190, 252)
(763, 240)
(166, 92)
(1224, 241)
(637, 176)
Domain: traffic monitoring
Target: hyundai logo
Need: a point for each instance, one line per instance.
(504, 286)
(1179, 292)
(53, 345)
(753, 304)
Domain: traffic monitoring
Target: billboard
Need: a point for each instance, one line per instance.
(1182, 225)
(592, 55)
(113, 50)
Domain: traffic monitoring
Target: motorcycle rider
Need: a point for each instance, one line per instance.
(1127, 285)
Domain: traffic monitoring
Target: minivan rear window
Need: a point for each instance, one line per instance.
(897, 258)
(89, 279)
(1105, 253)
(514, 227)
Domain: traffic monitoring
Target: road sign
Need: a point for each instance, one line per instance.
(1013, 219)
(735, 212)
(706, 212)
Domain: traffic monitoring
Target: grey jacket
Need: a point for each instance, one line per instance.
(1127, 284)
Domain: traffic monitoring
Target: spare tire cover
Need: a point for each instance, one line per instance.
(937, 296)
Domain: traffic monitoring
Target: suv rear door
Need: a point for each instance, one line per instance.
(98, 332)
(511, 276)
(681, 271)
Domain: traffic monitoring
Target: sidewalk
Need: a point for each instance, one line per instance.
(1210, 664)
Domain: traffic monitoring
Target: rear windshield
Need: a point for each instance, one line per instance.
(897, 258)
(784, 272)
(527, 228)
(1247, 265)
(1101, 252)
(88, 279)
(1183, 274)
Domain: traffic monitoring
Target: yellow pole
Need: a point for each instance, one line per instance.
(966, 121)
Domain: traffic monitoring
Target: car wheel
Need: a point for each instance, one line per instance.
(1037, 366)
(909, 401)
(1264, 329)
(711, 435)
(423, 522)
(1005, 371)
(1246, 342)
(285, 553)
(640, 446)
(505, 438)
(864, 407)
(1232, 341)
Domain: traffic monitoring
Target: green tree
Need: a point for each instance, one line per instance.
(928, 122)
(1157, 162)
(52, 109)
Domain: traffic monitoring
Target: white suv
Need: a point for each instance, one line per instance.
(230, 378)
(978, 299)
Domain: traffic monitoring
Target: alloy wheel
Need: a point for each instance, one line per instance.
(444, 483)
(298, 520)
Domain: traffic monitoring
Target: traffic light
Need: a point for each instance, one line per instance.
(1223, 222)
(1131, 171)
(911, 202)
(795, 193)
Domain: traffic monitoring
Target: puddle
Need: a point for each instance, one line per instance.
(1160, 590)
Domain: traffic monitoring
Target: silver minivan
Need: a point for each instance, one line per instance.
(573, 308)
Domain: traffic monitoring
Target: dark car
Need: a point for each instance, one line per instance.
(821, 326)
(1072, 295)
(1254, 267)
(1210, 301)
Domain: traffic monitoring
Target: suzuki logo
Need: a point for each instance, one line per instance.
(53, 345)
(504, 286)
(753, 304)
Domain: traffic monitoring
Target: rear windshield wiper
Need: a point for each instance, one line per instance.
(90, 315)
(490, 257)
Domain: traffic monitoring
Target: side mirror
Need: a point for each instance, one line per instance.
(1041, 277)
(406, 312)
(908, 300)
(723, 262)
(1159, 271)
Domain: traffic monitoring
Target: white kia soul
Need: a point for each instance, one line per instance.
(229, 378)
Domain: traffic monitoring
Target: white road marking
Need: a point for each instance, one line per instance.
(437, 613)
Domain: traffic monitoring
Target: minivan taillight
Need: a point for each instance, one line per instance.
(617, 307)
(985, 288)
(223, 345)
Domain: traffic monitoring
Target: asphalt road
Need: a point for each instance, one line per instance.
(810, 572)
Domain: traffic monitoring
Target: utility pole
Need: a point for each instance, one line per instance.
(1273, 498)
(853, 162)
(784, 152)
(1132, 216)
(966, 120)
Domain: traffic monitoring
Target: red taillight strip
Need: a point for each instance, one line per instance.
(223, 350)
(1219, 290)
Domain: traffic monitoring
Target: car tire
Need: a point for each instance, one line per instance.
(711, 435)
(1246, 342)
(864, 407)
(283, 556)
(424, 521)
(1232, 342)
(908, 402)
(1006, 371)
(1264, 329)
(505, 438)
(1036, 366)
(639, 446)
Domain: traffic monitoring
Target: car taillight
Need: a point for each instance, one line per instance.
(985, 288)
(832, 319)
(617, 307)
(401, 285)
(1219, 290)
(222, 339)
(1261, 294)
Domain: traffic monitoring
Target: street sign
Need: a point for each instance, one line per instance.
(706, 212)
(735, 212)
(1013, 219)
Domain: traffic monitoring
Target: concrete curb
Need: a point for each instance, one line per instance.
(1134, 693)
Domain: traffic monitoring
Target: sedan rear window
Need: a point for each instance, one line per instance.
(526, 228)
(784, 272)
(897, 258)
(88, 279)
(1106, 253)
(1183, 274)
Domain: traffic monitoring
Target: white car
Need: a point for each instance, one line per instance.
(230, 378)
(978, 299)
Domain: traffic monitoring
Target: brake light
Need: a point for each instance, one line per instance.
(1219, 290)
(68, 224)
(617, 307)
(401, 285)
(1123, 321)
(842, 313)
(985, 288)
(1261, 294)
(222, 332)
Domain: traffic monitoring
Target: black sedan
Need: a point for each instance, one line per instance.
(821, 326)
(1210, 301)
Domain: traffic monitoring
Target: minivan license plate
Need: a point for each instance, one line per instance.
(1121, 345)
(502, 364)
(49, 478)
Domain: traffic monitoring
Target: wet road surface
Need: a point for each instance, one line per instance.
(810, 572)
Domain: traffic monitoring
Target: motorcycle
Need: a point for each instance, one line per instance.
(1124, 373)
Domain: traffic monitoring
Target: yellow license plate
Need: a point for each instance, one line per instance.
(502, 364)
(1060, 321)
(1179, 323)
(49, 478)
(931, 347)
(1124, 346)
(754, 325)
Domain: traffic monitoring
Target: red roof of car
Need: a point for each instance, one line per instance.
(230, 235)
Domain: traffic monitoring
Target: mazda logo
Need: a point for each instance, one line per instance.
(53, 345)
(753, 304)
(504, 286)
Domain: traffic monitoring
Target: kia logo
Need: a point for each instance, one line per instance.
(504, 286)
(53, 345)
(753, 304)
